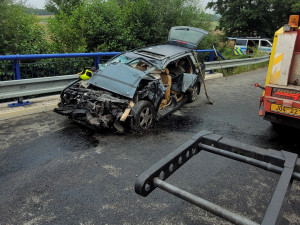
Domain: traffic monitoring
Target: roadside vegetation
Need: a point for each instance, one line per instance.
(118, 25)
(253, 17)
(44, 18)
(20, 31)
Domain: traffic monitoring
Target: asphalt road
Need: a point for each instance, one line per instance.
(53, 171)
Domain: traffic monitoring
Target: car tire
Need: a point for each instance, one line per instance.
(143, 116)
(192, 95)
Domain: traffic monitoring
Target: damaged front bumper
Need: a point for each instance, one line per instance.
(95, 108)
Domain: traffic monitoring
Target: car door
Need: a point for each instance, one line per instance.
(240, 47)
(184, 36)
(265, 45)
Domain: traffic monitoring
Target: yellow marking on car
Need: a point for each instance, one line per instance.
(238, 51)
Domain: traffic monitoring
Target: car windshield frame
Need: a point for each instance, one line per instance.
(132, 56)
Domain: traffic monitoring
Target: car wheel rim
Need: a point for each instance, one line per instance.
(146, 118)
(194, 93)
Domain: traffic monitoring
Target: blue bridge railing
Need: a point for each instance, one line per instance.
(17, 67)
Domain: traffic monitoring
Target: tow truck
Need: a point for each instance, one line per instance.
(280, 101)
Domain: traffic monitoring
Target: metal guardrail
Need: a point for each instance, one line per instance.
(27, 87)
(235, 62)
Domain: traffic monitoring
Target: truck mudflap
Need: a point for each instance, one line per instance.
(286, 164)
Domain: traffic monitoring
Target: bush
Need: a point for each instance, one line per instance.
(20, 31)
(112, 25)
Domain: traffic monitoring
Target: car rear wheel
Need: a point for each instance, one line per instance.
(194, 92)
(143, 116)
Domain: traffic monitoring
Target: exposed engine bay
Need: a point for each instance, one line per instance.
(96, 107)
(99, 108)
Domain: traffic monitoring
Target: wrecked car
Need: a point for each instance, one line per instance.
(138, 87)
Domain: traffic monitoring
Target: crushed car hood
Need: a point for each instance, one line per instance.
(119, 78)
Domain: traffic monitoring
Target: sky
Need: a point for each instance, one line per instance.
(40, 4)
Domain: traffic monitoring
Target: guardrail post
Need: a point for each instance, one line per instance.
(17, 73)
(97, 62)
(17, 76)
(211, 58)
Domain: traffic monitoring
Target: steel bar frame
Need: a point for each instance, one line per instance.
(202, 203)
(248, 160)
(281, 162)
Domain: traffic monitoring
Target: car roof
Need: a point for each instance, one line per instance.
(251, 38)
(158, 55)
(161, 52)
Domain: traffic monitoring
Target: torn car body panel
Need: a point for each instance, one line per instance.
(109, 79)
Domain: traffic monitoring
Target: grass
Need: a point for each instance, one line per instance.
(43, 21)
(44, 18)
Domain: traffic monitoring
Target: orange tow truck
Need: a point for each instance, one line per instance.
(281, 97)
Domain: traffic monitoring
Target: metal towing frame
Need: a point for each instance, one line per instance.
(281, 162)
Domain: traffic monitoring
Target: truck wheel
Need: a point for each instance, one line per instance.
(192, 95)
(143, 116)
(277, 126)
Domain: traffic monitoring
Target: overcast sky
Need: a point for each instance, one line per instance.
(40, 4)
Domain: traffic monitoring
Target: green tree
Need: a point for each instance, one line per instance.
(280, 12)
(296, 8)
(93, 26)
(20, 31)
(253, 17)
(171, 13)
(66, 6)
(118, 25)
(67, 31)
(106, 27)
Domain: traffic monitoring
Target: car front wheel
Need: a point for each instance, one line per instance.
(194, 92)
(143, 116)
